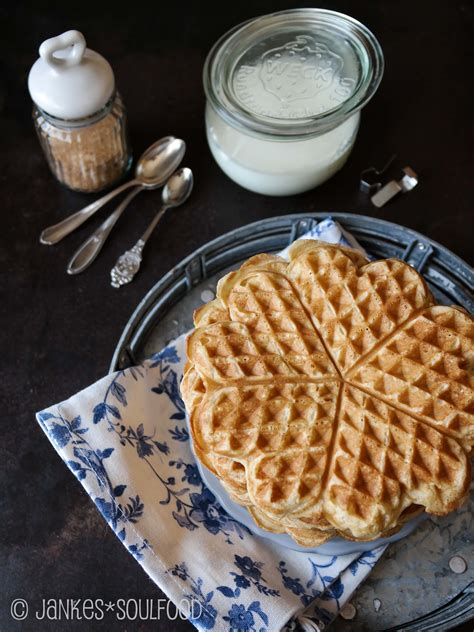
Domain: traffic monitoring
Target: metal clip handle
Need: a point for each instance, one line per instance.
(392, 188)
(371, 178)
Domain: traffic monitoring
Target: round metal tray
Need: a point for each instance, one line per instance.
(403, 586)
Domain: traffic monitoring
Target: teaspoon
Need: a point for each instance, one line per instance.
(176, 192)
(153, 168)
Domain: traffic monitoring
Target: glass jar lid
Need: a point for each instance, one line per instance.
(294, 72)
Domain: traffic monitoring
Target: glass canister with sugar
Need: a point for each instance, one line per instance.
(79, 115)
(284, 93)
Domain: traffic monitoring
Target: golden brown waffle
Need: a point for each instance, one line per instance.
(354, 307)
(426, 369)
(210, 313)
(305, 536)
(330, 395)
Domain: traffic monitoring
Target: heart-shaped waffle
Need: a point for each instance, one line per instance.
(330, 395)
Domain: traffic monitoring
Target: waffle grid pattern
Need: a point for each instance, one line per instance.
(337, 388)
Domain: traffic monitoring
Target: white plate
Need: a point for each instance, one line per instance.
(334, 546)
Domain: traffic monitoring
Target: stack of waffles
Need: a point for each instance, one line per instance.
(330, 395)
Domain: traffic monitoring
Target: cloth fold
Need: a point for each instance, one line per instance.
(125, 439)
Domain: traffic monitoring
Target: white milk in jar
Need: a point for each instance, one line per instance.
(284, 94)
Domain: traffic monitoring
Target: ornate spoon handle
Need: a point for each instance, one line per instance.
(128, 264)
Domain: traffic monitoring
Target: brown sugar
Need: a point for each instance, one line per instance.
(87, 155)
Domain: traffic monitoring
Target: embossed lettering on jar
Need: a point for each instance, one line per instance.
(284, 94)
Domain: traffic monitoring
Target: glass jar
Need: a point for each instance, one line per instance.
(78, 114)
(86, 154)
(284, 93)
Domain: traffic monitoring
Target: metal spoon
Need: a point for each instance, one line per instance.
(177, 190)
(88, 251)
(154, 167)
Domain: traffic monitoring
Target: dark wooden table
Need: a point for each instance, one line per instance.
(59, 332)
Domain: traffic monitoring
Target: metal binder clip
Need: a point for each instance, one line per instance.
(371, 178)
(392, 188)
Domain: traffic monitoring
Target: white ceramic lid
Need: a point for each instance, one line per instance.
(70, 81)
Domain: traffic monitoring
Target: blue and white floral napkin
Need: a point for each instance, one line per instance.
(125, 439)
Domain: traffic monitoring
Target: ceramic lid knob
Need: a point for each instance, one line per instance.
(70, 81)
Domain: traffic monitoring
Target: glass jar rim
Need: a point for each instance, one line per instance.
(222, 59)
